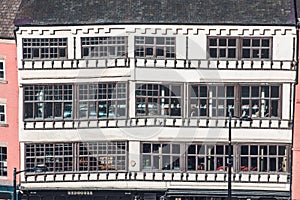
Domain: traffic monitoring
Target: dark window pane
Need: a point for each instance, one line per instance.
(222, 42)
(282, 150)
(231, 53)
(192, 149)
(244, 150)
(146, 148)
(222, 53)
(255, 42)
(213, 52)
(255, 91)
(253, 150)
(246, 42)
(245, 91)
(149, 51)
(255, 53)
(212, 42)
(272, 150)
(231, 42)
(265, 53)
(246, 53)
(275, 91)
(265, 42)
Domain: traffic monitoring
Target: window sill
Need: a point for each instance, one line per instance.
(3, 125)
(3, 81)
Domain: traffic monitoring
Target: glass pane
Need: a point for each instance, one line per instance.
(149, 40)
(231, 42)
(222, 42)
(166, 162)
(246, 42)
(244, 150)
(253, 150)
(146, 161)
(246, 53)
(255, 42)
(146, 148)
(244, 164)
(245, 91)
(191, 163)
(165, 148)
(176, 148)
(231, 53)
(213, 52)
(212, 42)
(275, 91)
(272, 150)
(176, 162)
(222, 53)
(265, 42)
(192, 149)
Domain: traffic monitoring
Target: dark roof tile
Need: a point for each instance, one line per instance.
(73, 12)
(8, 12)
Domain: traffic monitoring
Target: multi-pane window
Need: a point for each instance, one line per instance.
(48, 101)
(56, 157)
(93, 47)
(96, 156)
(3, 161)
(102, 100)
(211, 100)
(161, 156)
(2, 114)
(260, 101)
(44, 48)
(223, 48)
(2, 69)
(256, 48)
(254, 100)
(206, 157)
(239, 48)
(154, 47)
(263, 158)
(158, 99)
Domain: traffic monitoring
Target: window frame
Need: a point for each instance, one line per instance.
(56, 157)
(164, 159)
(93, 96)
(212, 160)
(47, 96)
(238, 109)
(3, 161)
(146, 95)
(3, 117)
(42, 47)
(262, 158)
(103, 45)
(142, 47)
(2, 71)
(102, 156)
(239, 48)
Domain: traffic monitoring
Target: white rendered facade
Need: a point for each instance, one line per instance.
(145, 120)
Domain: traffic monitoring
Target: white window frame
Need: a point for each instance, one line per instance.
(3, 114)
(3, 165)
(2, 70)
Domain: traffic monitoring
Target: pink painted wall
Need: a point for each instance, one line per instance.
(296, 146)
(9, 91)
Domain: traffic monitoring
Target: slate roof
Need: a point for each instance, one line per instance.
(8, 10)
(78, 12)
